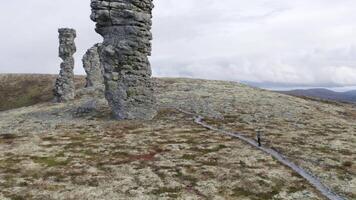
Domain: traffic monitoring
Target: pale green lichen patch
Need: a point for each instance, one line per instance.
(50, 161)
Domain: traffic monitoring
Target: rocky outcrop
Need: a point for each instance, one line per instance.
(125, 26)
(65, 88)
(92, 67)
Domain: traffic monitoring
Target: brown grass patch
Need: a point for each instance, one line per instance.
(20, 90)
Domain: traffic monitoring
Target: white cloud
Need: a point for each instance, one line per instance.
(304, 42)
(289, 42)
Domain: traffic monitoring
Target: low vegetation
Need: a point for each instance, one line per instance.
(47, 151)
(18, 90)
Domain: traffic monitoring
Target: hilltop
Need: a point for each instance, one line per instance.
(76, 151)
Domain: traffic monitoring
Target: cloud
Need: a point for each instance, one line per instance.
(29, 36)
(266, 41)
(282, 42)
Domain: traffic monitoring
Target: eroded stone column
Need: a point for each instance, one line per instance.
(65, 87)
(126, 28)
(93, 68)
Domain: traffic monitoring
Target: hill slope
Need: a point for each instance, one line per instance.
(18, 90)
(349, 96)
(62, 151)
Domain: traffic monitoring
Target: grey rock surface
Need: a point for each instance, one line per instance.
(93, 68)
(126, 28)
(87, 107)
(64, 87)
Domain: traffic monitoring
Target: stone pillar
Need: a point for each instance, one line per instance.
(126, 28)
(93, 68)
(65, 88)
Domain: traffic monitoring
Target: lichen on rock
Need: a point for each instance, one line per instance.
(125, 27)
(65, 87)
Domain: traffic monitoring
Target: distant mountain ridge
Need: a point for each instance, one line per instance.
(322, 93)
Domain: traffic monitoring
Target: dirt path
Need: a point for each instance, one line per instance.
(324, 190)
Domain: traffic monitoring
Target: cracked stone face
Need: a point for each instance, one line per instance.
(125, 26)
(93, 68)
(65, 88)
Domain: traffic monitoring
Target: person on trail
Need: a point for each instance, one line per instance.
(259, 138)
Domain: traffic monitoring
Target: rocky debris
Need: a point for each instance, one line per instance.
(91, 92)
(65, 87)
(87, 107)
(125, 26)
(92, 67)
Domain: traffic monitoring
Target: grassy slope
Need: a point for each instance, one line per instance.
(319, 136)
(170, 157)
(18, 90)
(47, 151)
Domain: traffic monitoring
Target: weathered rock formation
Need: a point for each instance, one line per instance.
(65, 88)
(93, 68)
(126, 28)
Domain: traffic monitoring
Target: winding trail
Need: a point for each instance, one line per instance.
(324, 190)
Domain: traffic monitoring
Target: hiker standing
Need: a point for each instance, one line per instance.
(259, 138)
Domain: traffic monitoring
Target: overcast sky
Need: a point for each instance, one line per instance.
(273, 42)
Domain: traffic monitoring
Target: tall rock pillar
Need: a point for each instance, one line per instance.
(126, 28)
(65, 88)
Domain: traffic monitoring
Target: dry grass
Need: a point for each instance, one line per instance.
(47, 152)
(169, 157)
(18, 90)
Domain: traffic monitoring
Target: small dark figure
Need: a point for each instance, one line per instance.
(259, 139)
